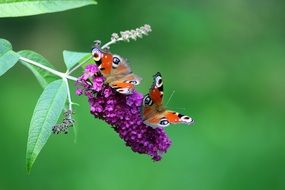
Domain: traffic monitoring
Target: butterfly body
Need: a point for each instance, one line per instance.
(116, 71)
(154, 114)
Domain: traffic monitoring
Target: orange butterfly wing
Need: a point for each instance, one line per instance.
(103, 61)
(154, 114)
(126, 84)
(176, 118)
(106, 66)
(116, 71)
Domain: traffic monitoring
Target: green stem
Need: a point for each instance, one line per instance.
(68, 96)
(111, 42)
(55, 72)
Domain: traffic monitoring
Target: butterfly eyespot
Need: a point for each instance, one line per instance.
(147, 101)
(97, 54)
(164, 122)
(116, 61)
(134, 82)
(158, 81)
(187, 119)
(124, 91)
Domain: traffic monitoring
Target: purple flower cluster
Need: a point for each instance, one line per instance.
(122, 112)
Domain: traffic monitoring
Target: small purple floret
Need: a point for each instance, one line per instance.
(122, 112)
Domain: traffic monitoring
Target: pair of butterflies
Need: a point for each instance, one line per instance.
(120, 77)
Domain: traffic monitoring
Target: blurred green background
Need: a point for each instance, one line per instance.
(225, 60)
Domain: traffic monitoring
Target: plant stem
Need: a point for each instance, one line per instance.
(111, 42)
(68, 96)
(57, 73)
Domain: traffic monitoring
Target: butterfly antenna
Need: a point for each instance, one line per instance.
(170, 97)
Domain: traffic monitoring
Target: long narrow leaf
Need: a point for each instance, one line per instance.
(15, 8)
(71, 58)
(44, 77)
(45, 116)
(8, 58)
(86, 59)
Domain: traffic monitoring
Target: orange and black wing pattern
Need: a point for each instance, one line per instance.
(153, 112)
(116, 71)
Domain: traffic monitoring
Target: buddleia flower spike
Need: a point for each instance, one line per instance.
(129, 35)
(122, 112)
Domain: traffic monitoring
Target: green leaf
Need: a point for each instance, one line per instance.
(44, 77)
(46, 113)
(71, 58)
(8, 58)
(15, 8)
(87, 60)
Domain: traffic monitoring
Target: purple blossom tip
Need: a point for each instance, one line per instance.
(122, 112)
